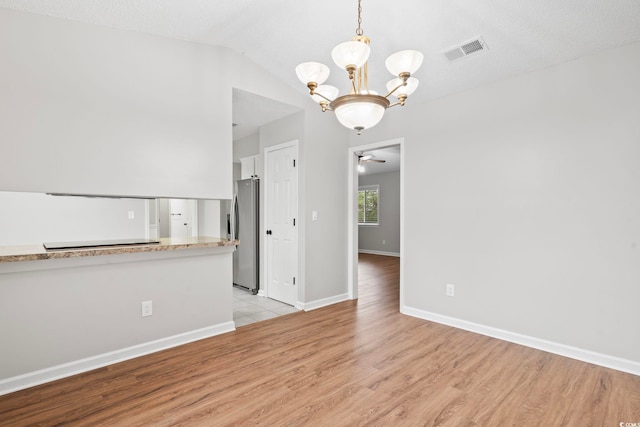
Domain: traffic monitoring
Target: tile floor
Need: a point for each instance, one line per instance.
(248, 308)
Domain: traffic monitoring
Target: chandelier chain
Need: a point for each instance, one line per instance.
(359, 31)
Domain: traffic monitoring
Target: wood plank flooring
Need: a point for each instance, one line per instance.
(353, 363)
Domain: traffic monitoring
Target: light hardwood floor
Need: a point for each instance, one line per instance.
(353, 363)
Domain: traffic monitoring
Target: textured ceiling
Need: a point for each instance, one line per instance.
(522, 35)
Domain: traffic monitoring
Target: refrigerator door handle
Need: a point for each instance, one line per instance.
(234, 217)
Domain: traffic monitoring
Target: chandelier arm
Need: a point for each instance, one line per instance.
(322, 96)
(325, 106)
(401, 99)
(395, 89)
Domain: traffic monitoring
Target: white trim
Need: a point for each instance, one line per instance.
(352, 225)
(146, 219)
(30, 379)
(308, 306)
(588, 356)
(352, 213)
(367, 251)
(193, 206)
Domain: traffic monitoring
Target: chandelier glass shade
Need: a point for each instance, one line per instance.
(360, 112)
(351, 53)
(403, 89)
(361, 108)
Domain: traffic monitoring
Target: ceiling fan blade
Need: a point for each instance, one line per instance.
(365, 158)
(372, 161)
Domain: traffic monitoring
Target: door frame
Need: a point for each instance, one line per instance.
(352, 214)
(264, 290)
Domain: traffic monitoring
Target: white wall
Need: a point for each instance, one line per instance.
(126, 113)
(322, 175)
(69, 311)
(93, 110)
(34, 218)
(245, 147)
(326, 193)
(209, 220)
(529, 203)
(371, 237)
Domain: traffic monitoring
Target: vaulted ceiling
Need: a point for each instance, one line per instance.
(520, 35)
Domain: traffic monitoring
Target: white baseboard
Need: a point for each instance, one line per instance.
(308, 306)
(367, 251)
(588, 356)
(30, 379)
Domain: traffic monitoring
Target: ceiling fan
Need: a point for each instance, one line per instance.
(368, 158)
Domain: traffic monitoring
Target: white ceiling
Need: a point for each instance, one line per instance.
(522, 35)
(391, 156)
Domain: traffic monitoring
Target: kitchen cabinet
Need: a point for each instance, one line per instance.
(250, 166)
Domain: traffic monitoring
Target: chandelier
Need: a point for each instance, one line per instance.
(361, 108)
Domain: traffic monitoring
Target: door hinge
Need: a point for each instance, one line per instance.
(294, 222)
(294, 163)
(294, 280)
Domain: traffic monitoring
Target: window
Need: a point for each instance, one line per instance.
(368, 205)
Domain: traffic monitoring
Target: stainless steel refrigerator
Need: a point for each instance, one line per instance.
(245, 217)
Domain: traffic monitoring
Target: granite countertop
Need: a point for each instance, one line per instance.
(38, 252)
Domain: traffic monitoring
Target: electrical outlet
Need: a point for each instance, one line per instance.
(131, 214)
(384, 242)
(147, 308)
(450, 290)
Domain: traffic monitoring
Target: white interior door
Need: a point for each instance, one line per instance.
(183, 217)
(281, 203)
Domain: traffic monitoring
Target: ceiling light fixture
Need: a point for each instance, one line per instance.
(361, 108)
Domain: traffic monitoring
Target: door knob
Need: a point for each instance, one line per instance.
(269, 232)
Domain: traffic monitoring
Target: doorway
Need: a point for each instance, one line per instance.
(356, 154)
(250, 114)
(177, 218)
